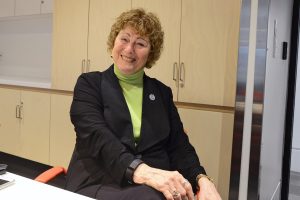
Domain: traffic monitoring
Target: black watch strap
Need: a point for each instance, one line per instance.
(131, 168)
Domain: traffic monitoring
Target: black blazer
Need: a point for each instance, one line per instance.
(105, 145)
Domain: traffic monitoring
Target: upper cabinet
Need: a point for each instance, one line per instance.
(30, 7)
(100, 22)
(70, 36)
(47, 6)
(208, 51)
(200, 53)
(10, 8)
(7, 8)
(79, 38)
(26, 42)
(168, 12)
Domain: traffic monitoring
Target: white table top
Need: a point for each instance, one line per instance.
(24, 188)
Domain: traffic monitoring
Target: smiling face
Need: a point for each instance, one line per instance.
(130, 51)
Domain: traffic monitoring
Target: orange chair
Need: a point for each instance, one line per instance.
(50, 174)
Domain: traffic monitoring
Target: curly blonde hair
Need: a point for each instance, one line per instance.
(146, 24)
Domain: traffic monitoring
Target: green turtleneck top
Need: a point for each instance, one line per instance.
(132, 86)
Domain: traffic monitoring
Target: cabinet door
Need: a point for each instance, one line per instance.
(211, 135)
(7, 8)
(100, 21)
(70, 29)
(9, 123)
(62, 134)
(208, 51)
(46, 6)
(168, 12)
(27, 7)
(35, 126)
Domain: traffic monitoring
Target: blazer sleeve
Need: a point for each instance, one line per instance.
(182, 154)
(94, 139)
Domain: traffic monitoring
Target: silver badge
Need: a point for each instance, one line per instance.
(151, 97)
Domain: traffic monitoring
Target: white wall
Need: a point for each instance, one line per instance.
(25, 49)
(295, 162)
(274, 100)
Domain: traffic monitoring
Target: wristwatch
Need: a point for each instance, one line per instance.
(131, 168)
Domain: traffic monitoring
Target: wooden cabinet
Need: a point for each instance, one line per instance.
(211, 135)
(62, 134)
(31, 7)
(46, 6)
(27, 7)
(168, 12)
(200, 52)
(70, 34)
(208, 51)
(7, 8)
(35, 118)
(10, 8)
(24, 119)
(81, 47)
(100, 21)
(36, 126)
(9, 123)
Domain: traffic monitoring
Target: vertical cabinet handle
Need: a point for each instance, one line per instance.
(175, 73)
(19, 111)
(83, 66)
(182, 74)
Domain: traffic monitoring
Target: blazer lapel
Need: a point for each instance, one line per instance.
(116, 111)
(155, 124)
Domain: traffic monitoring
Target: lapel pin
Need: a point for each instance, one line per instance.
(151, 97)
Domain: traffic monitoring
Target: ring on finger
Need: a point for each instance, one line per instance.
(175, 194)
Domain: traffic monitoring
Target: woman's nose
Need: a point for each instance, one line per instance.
(130, 47)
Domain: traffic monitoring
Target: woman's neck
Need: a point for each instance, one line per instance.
(135, 79)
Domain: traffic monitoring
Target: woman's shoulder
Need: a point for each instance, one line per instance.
(94, 76)
(89, 77)
(158, 83)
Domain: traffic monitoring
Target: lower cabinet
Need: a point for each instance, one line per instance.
(62, 134)
(24, 124)
(36, 126)
(9, 123)
(211, 135)
(35, 117)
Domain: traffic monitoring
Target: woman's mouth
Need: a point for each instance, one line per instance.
(128, 59)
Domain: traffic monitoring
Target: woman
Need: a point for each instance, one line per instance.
(130, 140)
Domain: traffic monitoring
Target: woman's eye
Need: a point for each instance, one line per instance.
(124, 39)
(142, 43)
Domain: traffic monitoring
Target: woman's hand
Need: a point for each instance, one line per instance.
(207, 190)
(171, 183)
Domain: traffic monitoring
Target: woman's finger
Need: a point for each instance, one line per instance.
(176, 195)
(189, 190)
(168, 195)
